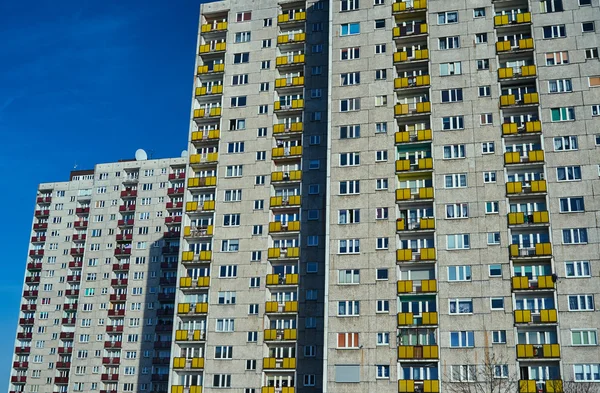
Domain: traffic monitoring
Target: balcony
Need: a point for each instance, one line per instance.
(22, 350)
(169, 250)
(532, 156)
(174, 205)
(127, 208)
(200, 182)
(205, 206)
(193, 363)
(529, 127)
(187, 308)
(413, 386)
(79, 237)
(111, 361)
(65, 350)
(70, 307)
(410, 30)
(544, 351)
(291, 176)
(411, 82)
(532, 187)
(287, 61)
(285, 106)
(114, 328)
(173, 220)
(119, 282)
(192, 335)
(166, 297)
(274, 307)
(189, 282)
(169, 265)
(72, 292)
(175, 176)
(129, 193)
(214, 27)
(212, 48)
(32, 279)
(285, 152)
(115, 298)
(422, 164)
(418, 286)
(288, 129)
(69, 321)
(34, 266)
(272, 389)
(203, 256)
(420, 108)
(543, 250)
(511, 100)
(112, 344)
(122, 251)
(541, 317)
(20, 365)
(284, 253)
(63, 365)
(547, 386)
(77, 251)
(525, 283)
(206, 136)
(173, 191)
(405, 6)
(207, 113)
(522, 45)
(24, 336)
(407, 194)
(116, 313)
(42, 213)
(280, 334)
(520, 218)
(124, 237)
(161, 361)
(293, 38)
(407, 255)
(109, 377)
(67, 335)
(512, 19)
(172, 234)
(211, 90)
(38, 239)
(36, 253)
(44, 199)
(289, 226)
(184, 389)
(215, 69)
(125, 223)
(26, 321)
(82, 210)
(279, 363)
(526, 71)
(284, 202)
(168, 281)
(290, 17)
(40, 226)
(80, 224)
(195, 232)
(413, 136)
(282, 280)
(417, 352)
(18, 379)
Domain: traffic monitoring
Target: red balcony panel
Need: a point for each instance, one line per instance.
(170, 190)
(118, 298)
(80, 224)
(109, 377)
(20, 364)
(65, 350)
(73, 278)
(28, 307)
(168, 220)
(114, 313)
(41, 225)
(22, 350)
(77, 251)
(125, 223)
(82, 210)
(111, 391)
(34, 266)
(67, 335)
(32, 279)
(116, 282)
(30, 293)
(43, 199)
(113, 361)
(38, 239)
(79, 238)
(26, 321)
(171, 234)
(69, 321)
(63, 364)
(112, 344)
(24, 336)
(72, 292)
(131, 207)
(36, 253)
(178, 219)
(120, 267)
(123, 251)
(17, 379)
(61, 380)
(172, 176)
(114, 329)
(42, 213)
(75, 264)
(122, 208)
(70, 307)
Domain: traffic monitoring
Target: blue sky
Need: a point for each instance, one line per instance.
(83, 82)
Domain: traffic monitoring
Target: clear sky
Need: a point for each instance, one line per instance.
(83, 82)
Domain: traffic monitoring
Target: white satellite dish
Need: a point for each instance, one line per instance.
(140, 155)
(184, 154)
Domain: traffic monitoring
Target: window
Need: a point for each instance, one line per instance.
(230, 245)
(445, 43)
(487, 148)
(383, 338)
(378, 2)
(584, 337)
(462, 339)
(459, 273)
(489, 177)
(574, 236)
(380, 48)
(568, 173)
(581, 303)
(230, 220)
(381, 155)
(495, 271)
(381, 184)
(264, 86)
(349, 276)
(563, 143)
(313, 164)
(596, 112)
(267, 22)
(349, 104)
(313, 214)
(310, 351)
(380, 74)
(317, 26)
(452, 95)
(312, 241)
(591, 53)
(572, 204)
(497, 303)
(380, 23)
(266, 43)
(233, 195)
(310, 379)
(577, 269)
(381, 274)
(234, 171)
(483, 64)
(263, 109)
(239, 58)
(557, 58)
(349, 53)
(237, 124)
(265, 64)
(585, 2)
(383, 306)
(463, 373)
(350, 78)
(349, 308)
(491, 207)
(498, 336)
(383, 372)
(557, 31)
(453, 123)
(222, 380)
(493, 238)
(252, 337)
(225, 325)
(457, 210)
(349, 29)
(588, 27)
(316, 93)
(457, 180)
(227, 297)
(228, 271)
(313, 189)
(454, 151)
(586, 372)
(243, 36)
(457, 242)
(481, 38)
(349, 5)
(252, 309)
(460, 306)
(235, 147)
(486, 119)
(445, 18)
(350, 187)
(348, 341)
(560, 86)
(381, 101)
(349, 246)
(349, 216)
(350, 132)
(315, 116)
(551, 6)
(243, 16)
(479, 13)
(312, 267)
(349, 159)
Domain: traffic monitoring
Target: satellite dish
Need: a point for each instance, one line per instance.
(140, 155)
(184, 154)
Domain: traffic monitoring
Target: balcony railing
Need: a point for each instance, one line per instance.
(407, 255)
(539, 282)
(283, 128)
(282, 61)
(527, 127)
(520, 218)
(417, 352)
(286, 176)
(279, 363)
(404, 6)
(193, 363)
(212, 47)
(511, 100)
(289, 201)
(409, 30)
(519, 18)
(284, 253)
(538, 351)
(287, 279)
(291, 38)
(417, 286)
(407, 194)
(420, 386)
(412, 81)
(522, 44)
(412, 109)
(297, 81)
(197, 308)
(281, 307)
(547, 386)
(189, 282)
(216, 68)
(210, 135)
(522, 72)
(198, 231)
(297, 104)
(534, 186)
(413, 136)
(191, 335)
(423, 319)
(213, 90)
(213, 27)
(543, 316)
(422, 164)
(289, 226)
(515, 157)
(196, 182)
(539, 250)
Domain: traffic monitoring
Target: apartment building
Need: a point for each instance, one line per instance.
(99, 289)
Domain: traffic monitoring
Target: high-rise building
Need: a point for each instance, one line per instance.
(97, 308)
(378, 197)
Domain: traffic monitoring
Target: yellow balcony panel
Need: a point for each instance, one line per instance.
(533, 126)
(427, 254)
(178, 363)
(198, 113)
(185, 282)
(289, 334)
(505, 73)
(268, 389)
(507, 100)
(298, 59)
(516, 218)
(404, 255)
(400, 56)
(554, 386)
(427, 223)
(528, 386)
(181, 335)
(502, 46)
(538, 186)
(426, 193)
(281, 60)
(203, 282)
(512, 157)
(201, 308)
(183, 308)
(215, 112)
(543, 249)
(523, 17)
(291, 306)
(529, 70)
(288, 389)
(406, 386)
(204, 48)
(283, 39)
(197, 363)
(270, 334)
(401, 224)
(541, 217)
(523, 316)
(202, 182)
(401, 109)
(205, 255)
(187, 256)
(402, 165)
(298, 81)
(291, 279)
(526, 43)
(191, 206)
(425, 163)
(271, 307)
(531, 98)
(269, 363)
(509, 128)
(405, 319)
(515, 187)
(500, 20)
(272, 279)
(289, 363)
(299, 37)
(283, 18)
(177, 389)
(416, 352)
(280, 82)
(208, 205)
(408, 286)
(423, 107)
(199, 136)
(300, 16)
(548, 316)
(405, 286)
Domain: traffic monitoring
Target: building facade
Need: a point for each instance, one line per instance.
(378, 196)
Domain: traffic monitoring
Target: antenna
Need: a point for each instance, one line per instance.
(140, 155)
